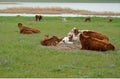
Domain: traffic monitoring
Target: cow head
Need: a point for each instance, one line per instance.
(20, 25)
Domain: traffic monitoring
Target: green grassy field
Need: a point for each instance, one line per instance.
(22, 56)
(60, 1)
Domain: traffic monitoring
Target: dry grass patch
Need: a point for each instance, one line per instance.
(54, 10)
(7, 2)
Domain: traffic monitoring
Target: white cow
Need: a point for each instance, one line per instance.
(64, 19)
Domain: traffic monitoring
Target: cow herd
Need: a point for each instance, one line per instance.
(87, 39)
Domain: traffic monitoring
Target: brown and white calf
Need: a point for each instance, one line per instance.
(53, 41)
(67, 40)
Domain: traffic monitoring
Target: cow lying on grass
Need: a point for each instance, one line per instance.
(71, 37)
(75, 32)
(97, 35)
(27, 30)
(67, 39)
(91, 43)
(53, 41)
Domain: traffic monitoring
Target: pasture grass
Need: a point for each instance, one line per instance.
(22, 56)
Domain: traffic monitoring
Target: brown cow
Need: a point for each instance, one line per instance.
(110, 20)
(53, 41)
(27, 30)
(91, 43)
(97, 35)
(88, 19)
(38, 17)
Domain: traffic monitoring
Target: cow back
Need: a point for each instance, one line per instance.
(97, 35)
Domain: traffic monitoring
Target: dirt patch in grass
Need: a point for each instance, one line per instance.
(67, 47)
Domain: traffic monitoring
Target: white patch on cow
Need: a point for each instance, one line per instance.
(66, 40)
(70, 34)
(75, 37)
(73, 29)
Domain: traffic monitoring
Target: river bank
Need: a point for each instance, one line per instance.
(97, 9)
(54, 10)
(55, 15)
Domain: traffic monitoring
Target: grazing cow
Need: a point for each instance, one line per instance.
(91, 43)
(110, 20)
(96, 35)
(53, 41)
(38, 17)
(27, 30)
(88, 19)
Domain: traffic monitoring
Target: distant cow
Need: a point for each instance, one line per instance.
(27, 30)
(53, 41)
(64, 19)
(88, 19)
(38, 17)
(97, 35)
(91, 43)
(110, 20)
